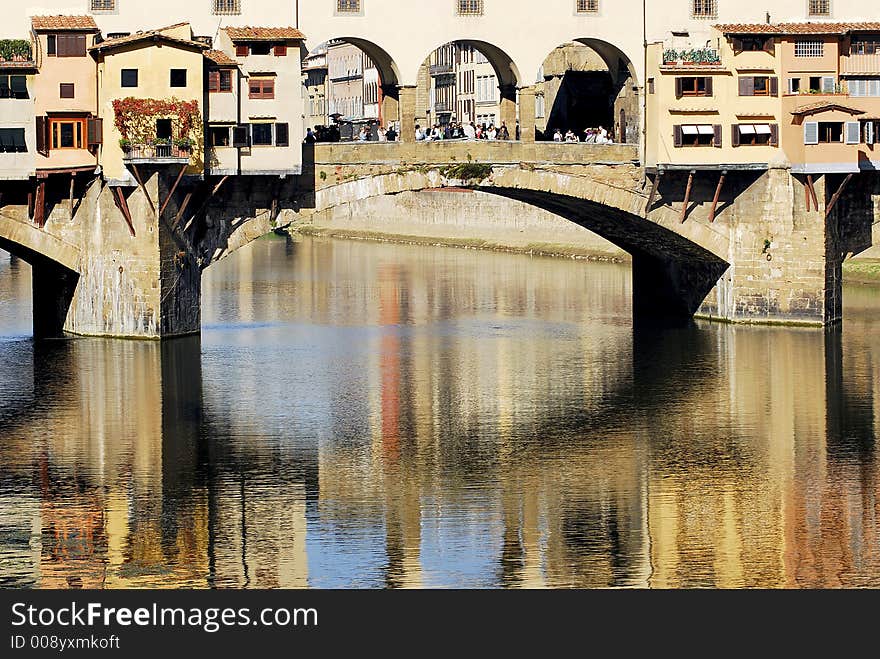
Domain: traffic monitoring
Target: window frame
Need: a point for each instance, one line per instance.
(271, 127)
(589, 7)
(226, 7)
(469, 8)
(80, 133)
(263, 93)
(62, 86)
(807, 48)
(9, 90)
(817, 13)
(212, 130)
(171, 78)
(100, 6)
(122, 83)
(349, 8)
(704, 9)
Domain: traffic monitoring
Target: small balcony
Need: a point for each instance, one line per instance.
(862, 64)
(156, 154)
(441, 69)
(692, 58)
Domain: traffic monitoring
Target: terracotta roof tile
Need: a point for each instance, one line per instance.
(146, 36)
(219, 57)
(797, 28)
(64, 23)
(28, 64)
(822, 106)
(264, 33)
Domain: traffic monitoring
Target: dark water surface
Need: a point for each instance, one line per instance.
(369, 415)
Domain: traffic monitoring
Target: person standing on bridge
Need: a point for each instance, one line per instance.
(503, 133)
(420, 134)
(391, 134)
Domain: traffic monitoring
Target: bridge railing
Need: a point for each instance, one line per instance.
(481, 151)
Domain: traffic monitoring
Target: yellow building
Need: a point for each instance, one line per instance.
(151, 91)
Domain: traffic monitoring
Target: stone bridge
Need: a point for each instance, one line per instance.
(128, 262)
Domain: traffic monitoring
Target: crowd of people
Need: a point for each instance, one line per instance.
(591, 136)
(464, 131)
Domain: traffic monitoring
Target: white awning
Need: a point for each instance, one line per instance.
(763, 129)
(746, 129)
(706, 130)
(689, 130)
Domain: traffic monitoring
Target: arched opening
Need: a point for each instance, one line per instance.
(351, 87)
(587, 91)
(467, 87)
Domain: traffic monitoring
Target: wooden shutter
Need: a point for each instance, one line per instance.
(678, 88)
(95, 131)
(282, 135)
(676, 136)
(241, 50)
(774, 134)
(213, 81)
(709, 86)
(717, 141)
(734, 135)
(853, 132)
(268, 89)
(774, 86)
(737, 45)
(811, 132)
(828, 84)
(281, 50)
(43, 136)
(241, 136)
(769, 45)
(746, 86)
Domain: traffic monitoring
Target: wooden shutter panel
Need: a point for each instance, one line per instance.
(746, 86)
(869, 132)
(709, 86)
(95, 131)
(78, 44)
(811, 132)
(281, 50)
(737, 45)
(676, 136)
(241, 51)
(734, 135)
(769, 46)
(241, 136)
(853, 132)
(717, 140)
(43, 136)
(678, 88)
(213, 81)
(774, 134)
(774, 86)
(282, 135)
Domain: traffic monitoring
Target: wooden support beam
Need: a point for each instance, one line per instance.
(717, 196)
(181, 210)
(122, 205)
(206, 202)
(172, 190)
(813, 191)
(807, 198)
(654, 185)
(687, 195)
(70, 197)
(40, 204)
(140, 181)
(836, 197)
(30, 204)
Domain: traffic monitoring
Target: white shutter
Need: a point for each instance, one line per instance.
(828, 84)
(811, 132)
(869, 132)
(853, 132)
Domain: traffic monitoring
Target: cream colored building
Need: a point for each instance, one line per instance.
(165, 66)
(17, 138)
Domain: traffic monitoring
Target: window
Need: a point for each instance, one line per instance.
(586, 6)
(242, 50)
(178, 77)
(752, 44)
(809, 48)
(704, 8)
(348, 6)
(219, 135)
(470, 7)
(756, 135)
(227, 7)
(262, 88)
(261, 48)
(486, 89)
(693, 86)
(13, 87)
(66, 45)
(12, 140)
(103, 5)
(540, 107)
(864, 87)
(823, 84)
(129, 78)
(220, 81)
(823, 132)
(794, 85)
(282, 135)
(700, 135)
(280, 50)
(758, 86)
(164, 129)
(872, 131)
(66, 90)
(67, 133)
(819, 7)
(261, 134)
(865, 46)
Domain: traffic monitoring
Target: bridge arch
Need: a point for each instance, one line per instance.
(385, 63)
(36, 246)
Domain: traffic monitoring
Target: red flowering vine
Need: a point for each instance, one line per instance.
(136, 118)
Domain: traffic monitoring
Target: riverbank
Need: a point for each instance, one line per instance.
(862, 271)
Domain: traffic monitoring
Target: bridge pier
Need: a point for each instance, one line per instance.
(526, 114)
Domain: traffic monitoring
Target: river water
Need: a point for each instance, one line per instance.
(369, 415)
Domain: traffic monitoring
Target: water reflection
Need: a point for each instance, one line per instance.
(363, 415)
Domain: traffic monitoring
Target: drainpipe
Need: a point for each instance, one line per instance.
(644, 101)
(296, 18)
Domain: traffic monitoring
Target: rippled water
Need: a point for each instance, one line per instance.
(369, 415)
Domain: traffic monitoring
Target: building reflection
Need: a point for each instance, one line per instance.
(384, 417)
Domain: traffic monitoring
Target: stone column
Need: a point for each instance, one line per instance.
(407, 102)
(508, 107)
(390, 105)
(526, 114)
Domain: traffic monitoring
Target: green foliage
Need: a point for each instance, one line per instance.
(692, 55)
(469, 171)
(322, 175)
(12, 49)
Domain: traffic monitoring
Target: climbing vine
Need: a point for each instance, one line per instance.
(135, 118)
